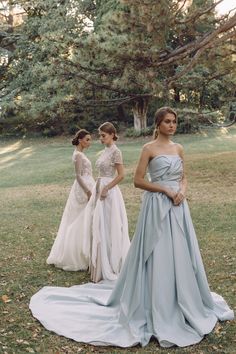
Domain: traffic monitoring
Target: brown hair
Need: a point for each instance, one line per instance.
(159, 116)
(109, 128)
(79, 135)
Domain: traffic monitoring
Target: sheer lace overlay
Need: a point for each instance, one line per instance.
(66, 252)
(83, 167)
(107, 161)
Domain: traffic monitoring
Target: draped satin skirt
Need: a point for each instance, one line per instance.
(162, 290)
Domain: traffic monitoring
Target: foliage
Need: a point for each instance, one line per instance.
(142, 47)
(190, 120)
(43, 90)
(133, 133)
(76, 62)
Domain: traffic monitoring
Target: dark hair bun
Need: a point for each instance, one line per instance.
(74, 141)
(79, 135)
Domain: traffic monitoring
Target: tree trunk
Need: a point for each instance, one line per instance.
(177, 95)
(121, 113)
(202, 97)
(10, 18)
(140, 107)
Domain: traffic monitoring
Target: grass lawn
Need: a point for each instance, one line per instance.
(35, 179)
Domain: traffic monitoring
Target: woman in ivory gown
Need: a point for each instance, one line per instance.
(107, 238)
(67, 250)
(162, 290)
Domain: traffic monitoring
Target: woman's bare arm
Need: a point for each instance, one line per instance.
(78, 171)
(183, 184)
(120, 175)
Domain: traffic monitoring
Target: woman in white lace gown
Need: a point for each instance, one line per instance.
(106, 220)
(67, 250)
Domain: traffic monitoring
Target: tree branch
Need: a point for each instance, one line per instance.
(197, 55)
(115, 101)
(189, 48)
(180, 8)
(222, 125)
(198, 14)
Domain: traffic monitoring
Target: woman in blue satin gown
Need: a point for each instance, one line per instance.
(162, 290)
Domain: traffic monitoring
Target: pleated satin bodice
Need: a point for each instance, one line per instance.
(166, 169)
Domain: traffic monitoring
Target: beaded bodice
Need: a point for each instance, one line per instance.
(105, 164)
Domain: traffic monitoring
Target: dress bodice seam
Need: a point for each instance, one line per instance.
(163, 155)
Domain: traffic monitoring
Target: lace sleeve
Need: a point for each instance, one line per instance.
(117, 157)
(78, 172)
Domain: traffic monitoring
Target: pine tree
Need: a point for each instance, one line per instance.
(74, 54)
(40, 79)
(140, 50)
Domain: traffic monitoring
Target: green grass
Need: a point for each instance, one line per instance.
(35, 179)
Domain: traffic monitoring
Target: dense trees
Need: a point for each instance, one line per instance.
(152, 45)
(38, 75)
(78, 61)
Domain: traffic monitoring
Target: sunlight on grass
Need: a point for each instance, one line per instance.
(11, 147)
(22, 154)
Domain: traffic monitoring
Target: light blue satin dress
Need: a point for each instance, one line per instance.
(162, 290)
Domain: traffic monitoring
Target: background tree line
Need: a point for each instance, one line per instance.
(66, 64)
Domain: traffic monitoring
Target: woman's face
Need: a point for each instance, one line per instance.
(168, 125)
(85, 142)
(106, 138)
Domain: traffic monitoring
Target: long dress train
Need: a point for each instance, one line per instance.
(162, 290)
(67, 251)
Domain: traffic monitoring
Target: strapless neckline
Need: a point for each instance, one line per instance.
(168, 155)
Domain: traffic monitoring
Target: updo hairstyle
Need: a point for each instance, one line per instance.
(79, 135)
(109, 128)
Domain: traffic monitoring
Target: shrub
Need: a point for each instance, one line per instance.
(132, 133)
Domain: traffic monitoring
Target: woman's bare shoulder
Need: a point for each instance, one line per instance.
(149, 146)
(179, 147)
(180, 150)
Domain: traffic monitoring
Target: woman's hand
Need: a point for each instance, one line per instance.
(89, 193)
(179, 198)
(104, 193)
(170, 193)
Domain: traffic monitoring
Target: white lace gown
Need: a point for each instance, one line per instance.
(107, 239)
(67, 250)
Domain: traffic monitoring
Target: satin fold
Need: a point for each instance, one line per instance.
(162, 290)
